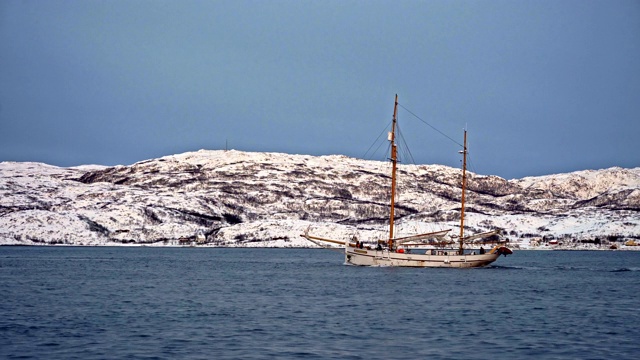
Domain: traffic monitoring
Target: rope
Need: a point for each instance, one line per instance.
(326, 247)
(431, 126)
(375, 141)
(405, 148)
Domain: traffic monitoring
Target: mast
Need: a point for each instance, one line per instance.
(394, 161)
(464, 185)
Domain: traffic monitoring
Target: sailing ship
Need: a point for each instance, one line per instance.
(395, 251)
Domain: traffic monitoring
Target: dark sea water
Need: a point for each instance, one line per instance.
(194, 303)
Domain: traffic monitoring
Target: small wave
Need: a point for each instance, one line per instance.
(576, 268)
(49, 344)
(565, 267)
(372, 266)
(502, 267)
(626, 269)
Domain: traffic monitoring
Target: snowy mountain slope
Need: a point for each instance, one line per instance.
(267, 199)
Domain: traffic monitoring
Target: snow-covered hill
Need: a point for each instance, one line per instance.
(238, 198)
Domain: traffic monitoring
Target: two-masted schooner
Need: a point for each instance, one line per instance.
(395, 251)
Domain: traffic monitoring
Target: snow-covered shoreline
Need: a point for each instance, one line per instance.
(242, 199)
(174, 244)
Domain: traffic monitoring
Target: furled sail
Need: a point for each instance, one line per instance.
(483, 235)
(433, 235)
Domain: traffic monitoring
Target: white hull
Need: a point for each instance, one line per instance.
(365, 257)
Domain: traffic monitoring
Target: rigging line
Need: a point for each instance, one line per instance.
(378, 148)
(388, 149)
(406, 150)
(402, 148)
(472, 166)
(375, 141)
(431, 126)
(326, 247)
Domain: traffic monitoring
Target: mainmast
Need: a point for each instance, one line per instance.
(464, 185)
(394, 161)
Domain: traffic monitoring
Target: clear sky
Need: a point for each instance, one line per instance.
(542, 86)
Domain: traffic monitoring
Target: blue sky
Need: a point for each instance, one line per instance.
(542, 86)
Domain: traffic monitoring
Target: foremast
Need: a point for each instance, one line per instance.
(464, 187)
(394, 161)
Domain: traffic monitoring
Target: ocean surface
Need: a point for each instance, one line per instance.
(211, 303)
